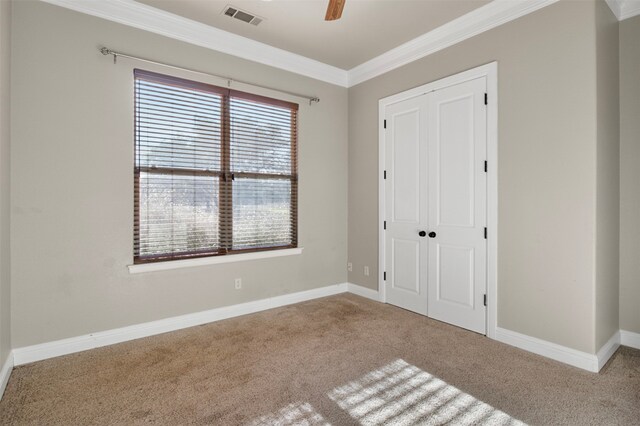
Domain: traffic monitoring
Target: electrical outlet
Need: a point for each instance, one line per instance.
(350, 267)
(366, 271)
(238, 283)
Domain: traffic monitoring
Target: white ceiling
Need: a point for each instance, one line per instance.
(367, 28)
(485, 16)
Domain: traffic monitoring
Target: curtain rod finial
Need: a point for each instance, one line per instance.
(314, 101)
(105, 51)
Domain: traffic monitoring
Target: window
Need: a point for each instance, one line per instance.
(215, 170)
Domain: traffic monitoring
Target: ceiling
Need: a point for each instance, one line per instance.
(367, 28)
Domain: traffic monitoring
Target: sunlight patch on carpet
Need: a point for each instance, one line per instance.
(402, 394)
(297, 413)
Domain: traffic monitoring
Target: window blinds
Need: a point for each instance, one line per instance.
(215, 170)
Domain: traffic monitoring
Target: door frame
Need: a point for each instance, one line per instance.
(490, 73)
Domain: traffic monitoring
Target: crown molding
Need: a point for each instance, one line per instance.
(489, 16)
(624, 9)
(138, 15)
(615, 7)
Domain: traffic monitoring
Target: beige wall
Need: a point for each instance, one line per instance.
(547, 166)
(5, 289)
(72, 158)
(608, 175)
(630, 175)
(72, 199)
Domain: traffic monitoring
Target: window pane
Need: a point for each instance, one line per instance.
(261, 213)
(215, 170)
(261, 138)
(178, 214)
(177, 128)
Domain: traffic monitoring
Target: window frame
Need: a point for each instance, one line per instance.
(225, 175)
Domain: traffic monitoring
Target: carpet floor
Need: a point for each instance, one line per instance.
(340, 360)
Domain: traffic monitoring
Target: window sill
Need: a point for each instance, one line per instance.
(213, 260)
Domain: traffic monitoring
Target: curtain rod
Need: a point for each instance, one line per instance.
(106, 51)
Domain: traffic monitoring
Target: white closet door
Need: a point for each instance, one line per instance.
(406, 204)
(457, 191)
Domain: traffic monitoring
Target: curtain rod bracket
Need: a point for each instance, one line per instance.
(106, 51)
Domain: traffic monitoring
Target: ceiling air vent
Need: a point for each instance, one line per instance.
(247, 17)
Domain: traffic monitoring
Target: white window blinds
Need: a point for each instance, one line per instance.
(215, 170)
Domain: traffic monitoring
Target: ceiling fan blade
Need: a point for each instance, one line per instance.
(334, 11)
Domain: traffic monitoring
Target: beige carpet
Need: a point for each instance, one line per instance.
(341, 360)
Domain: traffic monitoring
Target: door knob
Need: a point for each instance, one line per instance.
(432, 234)
(422, 233)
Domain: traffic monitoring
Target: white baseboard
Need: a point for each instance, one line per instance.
(579, 359)
(608, 349)
(47, 350)
(629, 338)
(363, 291)
(27, 354)
(5, 373)
(584, 360)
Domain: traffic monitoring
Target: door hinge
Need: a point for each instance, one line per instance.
(485, 233)
(384, 276)
(486, 99)
(485, 300)
(385, 174)
(385, 224)
(385, 124)
(485, 167)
